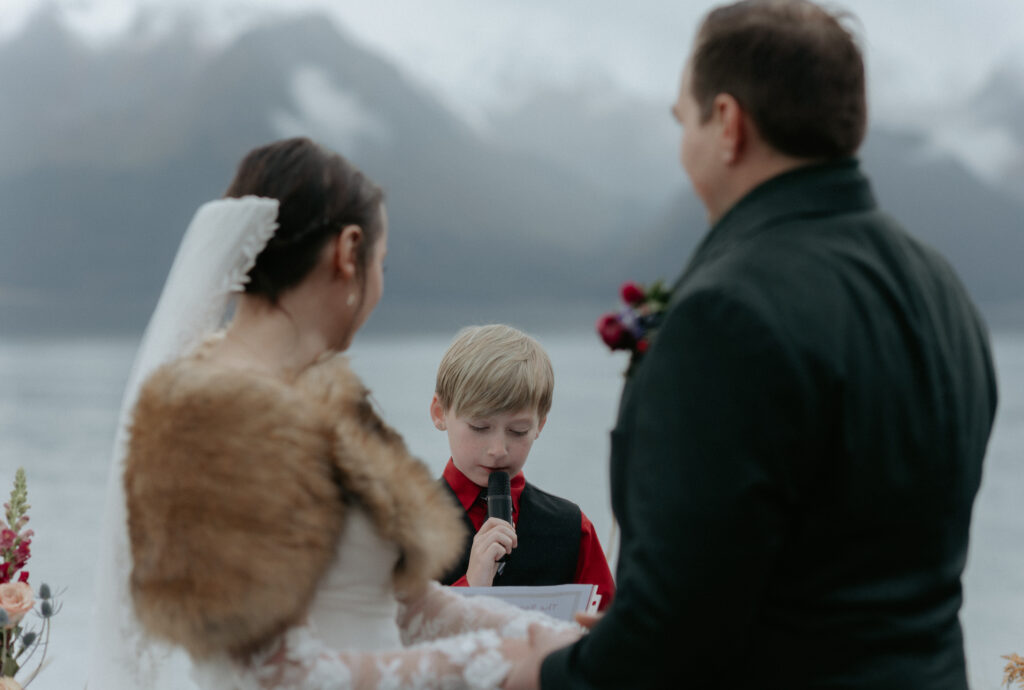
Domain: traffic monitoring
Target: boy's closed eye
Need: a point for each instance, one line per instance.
(481, 428)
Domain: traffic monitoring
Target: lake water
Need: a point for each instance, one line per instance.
(58, 408)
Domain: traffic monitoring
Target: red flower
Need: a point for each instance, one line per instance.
(641, 346)
(21, 554)
(613, 333)
(632, 293)
(23, 577)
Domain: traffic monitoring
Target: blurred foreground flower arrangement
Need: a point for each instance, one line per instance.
(1014, 670)
(19, 641)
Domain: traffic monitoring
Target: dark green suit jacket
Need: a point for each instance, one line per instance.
(796, 458)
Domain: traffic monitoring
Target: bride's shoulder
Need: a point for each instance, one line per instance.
(192, 380)
(331, 382)
(210, 402)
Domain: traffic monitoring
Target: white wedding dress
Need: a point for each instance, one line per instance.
(359, 637)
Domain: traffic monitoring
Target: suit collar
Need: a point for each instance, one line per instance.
(813, 190)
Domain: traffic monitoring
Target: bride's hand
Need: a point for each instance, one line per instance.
(588, 620)
(541, 641)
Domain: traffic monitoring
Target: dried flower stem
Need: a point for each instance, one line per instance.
(31, 649)
(8, 666)
(42, 659)
(1014, 670)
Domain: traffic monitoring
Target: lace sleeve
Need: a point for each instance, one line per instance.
(452, 642)
(439, 612)
(477, 661)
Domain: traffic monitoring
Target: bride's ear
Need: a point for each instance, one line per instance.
(346, 251)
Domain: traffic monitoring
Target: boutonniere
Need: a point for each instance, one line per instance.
(633, 327)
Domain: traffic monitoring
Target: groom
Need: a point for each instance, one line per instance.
(796, 457)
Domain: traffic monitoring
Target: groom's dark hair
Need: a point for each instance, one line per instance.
(792, 66)
(319, 192)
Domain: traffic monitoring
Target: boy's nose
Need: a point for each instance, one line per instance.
(497, 449)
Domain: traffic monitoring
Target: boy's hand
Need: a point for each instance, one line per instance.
(495, 539)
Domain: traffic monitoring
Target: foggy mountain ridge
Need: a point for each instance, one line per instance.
(979, 227)
(1000, 102)
(86, 241)
(105, 155)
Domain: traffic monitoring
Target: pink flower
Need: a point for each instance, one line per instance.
(16, 599)
(7, 539)
(614, 334)
(632, 293)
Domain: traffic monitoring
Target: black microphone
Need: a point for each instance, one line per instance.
(499, 496)
(499, 502)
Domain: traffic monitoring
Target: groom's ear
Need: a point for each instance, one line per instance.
(732, 123)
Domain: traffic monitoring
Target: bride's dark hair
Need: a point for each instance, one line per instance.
(319, 193)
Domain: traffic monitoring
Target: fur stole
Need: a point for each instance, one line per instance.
(237, 485)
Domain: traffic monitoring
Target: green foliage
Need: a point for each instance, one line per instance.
(18, 505)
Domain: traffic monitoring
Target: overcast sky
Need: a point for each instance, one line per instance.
(925, 58)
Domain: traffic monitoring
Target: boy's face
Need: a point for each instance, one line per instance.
(482, 445)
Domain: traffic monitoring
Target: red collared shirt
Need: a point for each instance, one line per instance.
(591, 565)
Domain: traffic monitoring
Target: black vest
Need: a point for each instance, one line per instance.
(548, 528)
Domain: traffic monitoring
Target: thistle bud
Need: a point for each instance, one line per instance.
(28, 639)
(46, 609)
(44, 591)
(4, 618)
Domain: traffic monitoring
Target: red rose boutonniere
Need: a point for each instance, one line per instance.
(633, 327)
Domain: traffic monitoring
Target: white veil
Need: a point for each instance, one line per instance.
(216, 253)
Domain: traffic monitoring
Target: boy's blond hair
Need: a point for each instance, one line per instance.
(494, 369)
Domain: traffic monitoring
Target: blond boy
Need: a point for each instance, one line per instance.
(492, 397)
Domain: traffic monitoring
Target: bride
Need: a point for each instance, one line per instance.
(278, 532)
